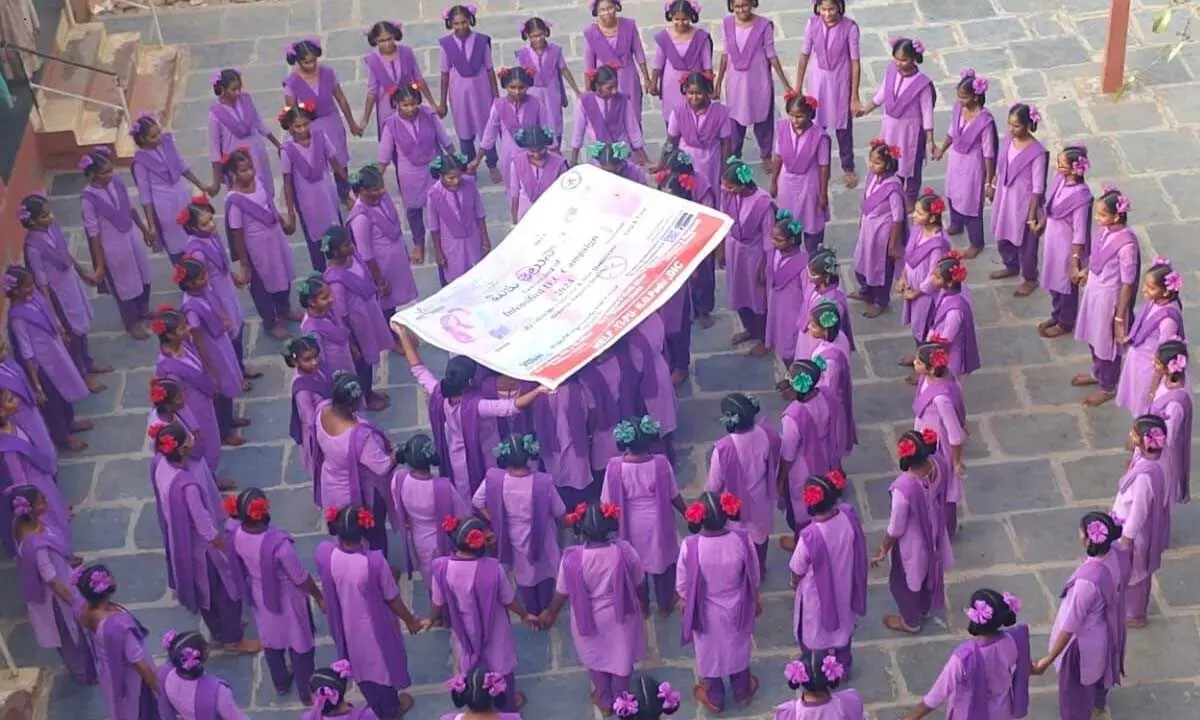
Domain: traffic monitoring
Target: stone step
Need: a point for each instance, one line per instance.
(158, 72)
(81, 44)
(117, 54)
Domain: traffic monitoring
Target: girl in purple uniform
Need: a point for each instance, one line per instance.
(800, 168)
(379, 242)
(787, 283)
(699, 128)
(329, 687)
(834, 78)
(124, 668)
(483, 694)
(938, 405)
(307, 160)
(927, 243)
(234, 122)
(169, 404)
(118, 255)
(1159, 319)
(680, 50)
(312, 82)
(971, 165)
(647, 699)
(881, 227)
(745, 251)
(457, 217)
(1172, 401)
(279, 588)
(604, 114)
(24, 464)
(411, 138)
(337, 350)
(1018, 197)
(419, 501)
(823, 284)
(617, 42)
(806, 442)
(468, 78)
(1066, 229)
(534, 169)
(390, 64)
(543, 60)
(185, 689)
(1144, 510)
(746, 463)
(952, 320)
(819, 674)
(744, 76)
(508, 114)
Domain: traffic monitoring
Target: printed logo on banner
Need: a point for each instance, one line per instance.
(456, 327)
(571, 180)
(684, 221)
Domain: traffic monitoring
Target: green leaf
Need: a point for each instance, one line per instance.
(1162, 20)
(1178, 48)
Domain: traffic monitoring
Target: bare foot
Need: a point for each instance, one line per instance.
(95, 387)
(280, 333)
(873, 311)
(705, 321)
(247, 386)
(76, 444)
(753, 689)
(1046, 324)
(1083, 380)
(226, 484)
(377, 402)
(82, 426)
(972, 252)
(700, 692)
(758, 351)
(233, 441)
(1055, 331)
(1136, 624)
(245, 647)
(101, 369)
(1025, 289)
(75, 561)
(1098, 397)
(907, 361)
(139, 332)
(739, 338)
(1003, 274)
(850, 179)
(406, 702)
(251, 374)
(895, 622)
(519, 701)
(679, 377)
(242, 422)
(787, 543)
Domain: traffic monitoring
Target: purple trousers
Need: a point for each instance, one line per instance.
(282, 678)
(134, 310)
(1106, 372)
(366, 376)
(57, 412)
(715, 687)
(813, 241)
(239, 347)
(703, 284)
(78, 348)
(760, 549)
(1022, 259)
(377, 537)
(845, 140)
(879, 295)
(608, 687)
(754, 323)
(76, 655)
(223, 616)
(912, 184)
(384, 700)
(224, 408)
(1137, 600)
(973, 225)
(1077, 701)
(764, 133)
(951, 509)
(315, 256)
(468, 149)
(271, 307)
(679, 347)
(537, 598)
(664, 590)
(913, 607)
(416, 225)
(1064, 308)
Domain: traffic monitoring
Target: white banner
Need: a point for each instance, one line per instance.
(593, 257)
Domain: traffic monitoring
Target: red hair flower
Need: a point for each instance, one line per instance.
(419, 85)
(614, 65)
(894, 152)
(907, 448)
(590, 74)
(283, 113)
(572, 519)
(791, 95)
(230, 504)
(476, 539)
(365, 519)
(687, 182)
(180, 274)
(937, 206)
(936, 338)
(391, 91)
(876, 142)
(811, 102)
(305, 105)
(695, 513)
(958, 273)
(836, 478)
(153, 431)
(183, 217)
(167, 444)
(683, 78)
(954, 254)
(929, 435)
(730, 504)
(201, 200)
(939, 358)
(813, 494)
(450, 523)
(661, 176)
(158, 326)
(257, 509)
(926, 191)
(331, 514)
(224, 158)
(158, 394)
(581, 509)
(610, 511)
(244, 149)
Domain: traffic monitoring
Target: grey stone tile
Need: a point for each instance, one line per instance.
(1009, 486)
(146, 533)
(1049, 534)
(292, 509)
(94, 529)
(1157, 151)
(1163, 650)
(1051, 386)
(981, 544)
(255, 466)
(75, 480)
(117, 434)
(270, 420)
(74, 700)
(774, 628)
(143, 577)
(1011, 346)
(1154, 700)
(1095, 476)
(1035, 605)
(872, 456)
(727, 373)
(1048, 53)
(124, 479)
(990, 392)
(556, 695)
(1037, 433)
(1126, 116)
(987, 32)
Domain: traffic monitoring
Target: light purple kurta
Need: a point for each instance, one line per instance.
(1020, 175)
(746, 247)
(941, 416)
(671, 94)
(469, 98)
(627, 129)
(28, 418)
(843, 428)
(919, 313)
(571, 465)
(662, 405)
(417, 497)
(787, 281)
(333, 340)
(53, 566)
(831, 49)
(504, 119)
(803, 155)
(413, 176)
(530, 181)
(838, 533)
(455, 216)
(517, 496)
(792, 450)
(124, 251)
(618, 642)
(1083, 613)
(22, 471)
(726, 568)
(1098, 306)
(629, 59)
(966, 170)
(378, 236)
(642, 507)
(166, 197)
(753, 450)
(316, 200)
(323, 95)
(907, 130)
(197, 399)
(875, 228)
(1142, 505)
(546, 68)
(266, 244)
(119, 679)
(181, 694)
(749, 93)
(384, 73)
(211, 251)
(357, 589)
(1064, 234)
(291, 628)
(363, 315)
(814, 296)
(499, 654)
(1137, 366)
(604, 446)
(706, 157)
(1175, 459)
(373, 465)
(842, 705)
(200, 521)
(187, 419)
(916, 556)
(306, 408)
(48, 257)
(37, 341)
(240, 125)
(214, 342)
(999, 661)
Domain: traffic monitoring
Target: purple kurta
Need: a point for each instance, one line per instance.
(814, 296)
(107, 214)
(882, 207)
(256, 216)
(972, 145)
(1020, 174)
(917, 522)
(333, 339)
(921, 253)
(476, 595)
(28, 418)
(24, 464)
(411, 144)
(745, 248)
(158, 176)
(240, 125)
(701, 135)
(807, 443)
(355, 465)
(1154, 324)
(718, 582)
(907, 101)
(213, 342)
(834, 47)
(307, 169)
(307, 393)
(560, 423)
(273, 574)
(419, 506)
(839, 385)
(33, 328)
(522, 511)
(385, 73)
(830, 561)
(48, 256)
(644, 491)
(1093, 611)
(1114, 262)
(468, 61)
(608, 120)
(675, 60)
(529, 182)
(749, 88)
(43, 558)
(647, 342)
(1174, 406)
(329, 118)
(199, 391)
(504, 120)
(379, 237)
(986, 678)
(1145, 512)
(205, 698)
(546, 68)
(938, 405)
(119, 643)
(747, 464)
(211, 251)
(803, 155)
(1068, 225)
(607, 628)
(625, 50)
(787, 285)
(953, 318)
(356, 302)
(841, 705)
(455, 215)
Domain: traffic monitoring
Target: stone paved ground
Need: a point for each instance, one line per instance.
(1036, 458)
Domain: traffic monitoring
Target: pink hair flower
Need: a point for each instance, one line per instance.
(1097, 532)
(342, 668)
(979, 85)
(918, 46)
(168, 638)
(1177, 364)
(1173, 281)
(1013, 602)
(189, 658)
(101, 581)
(1160, 260)
(23, 214)
(495, 684)
(1081, 165)
(669, 696)
(795, 673)
(1035, 115)
(1117, 519)
(330, 695)
(85, 162)
(458, 683)
(21, 507)
(1107, 188)
(832, 669)
(966, 73)
(1123, 204)
(1155, 439)
(979, 612)
(625, 705)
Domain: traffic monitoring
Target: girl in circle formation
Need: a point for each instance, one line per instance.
(573, 493)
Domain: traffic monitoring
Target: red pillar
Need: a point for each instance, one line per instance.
(1113, 75)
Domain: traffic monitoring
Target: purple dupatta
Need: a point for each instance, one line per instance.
(1111, 589)
(694, 133)
(620, 53)
(1158, 406)
(693, 609)
(170, 167)
(416, 141)
(910, 486)
(192, 374)
(823, 570)
(272, 586)
(443, 506)
(740, 56)
(317, 383)
(486, 595)
(54, 246)
(1150, 316)
(968, 138)
(468, 414)
(731, 464)
(316, 170)
(896, 105)
(119, 215)
(625, 601)
(608, 125)
(540, 513)
(800, 154)
(33, 589)
(1007, 171)
(691, 59)
(1106, 252)
(971, 693)
(966, 343)
(888, 186)
(204, 704)
(241, 122)
(467, 67)
(747, 230)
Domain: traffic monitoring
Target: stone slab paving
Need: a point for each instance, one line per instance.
(1036, 458)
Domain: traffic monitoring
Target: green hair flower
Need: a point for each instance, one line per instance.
(620, 150)
(819, 361)
(802, 383)
(594, 150)
(502, 449)
(531, 445)
(783, 214)
(649, 426)
(325, 242)
(462, 158)
(831, 263)
(548, 130)
(624, 432)
(428, 451)
(520, 135)
(730, 420)
(436, 164)
(744, 174)
(795, 227)
(354, 178)
(754, 403)
(684, 158)
(827, 319)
